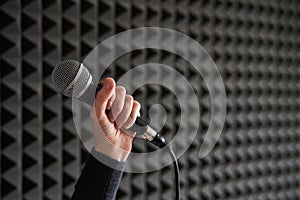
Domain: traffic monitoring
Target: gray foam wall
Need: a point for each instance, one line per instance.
(256, 46)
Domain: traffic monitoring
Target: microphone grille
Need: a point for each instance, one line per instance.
(81, 82)
(63, 74)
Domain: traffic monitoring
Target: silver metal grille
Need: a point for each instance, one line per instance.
(63, 74)
(81, 83)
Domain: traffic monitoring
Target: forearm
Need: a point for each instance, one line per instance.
(112, 113)
(98, 181)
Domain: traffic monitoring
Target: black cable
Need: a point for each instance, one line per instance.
(176, 170)
(161, 142)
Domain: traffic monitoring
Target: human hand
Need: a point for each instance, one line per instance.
(112, 114)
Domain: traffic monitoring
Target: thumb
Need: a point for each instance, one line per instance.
(102, 97)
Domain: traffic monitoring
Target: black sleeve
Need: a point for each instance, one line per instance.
(97, 180)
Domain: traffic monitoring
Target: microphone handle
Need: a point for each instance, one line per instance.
(140, 125)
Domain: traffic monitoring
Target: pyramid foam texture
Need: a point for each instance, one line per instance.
(255, 44)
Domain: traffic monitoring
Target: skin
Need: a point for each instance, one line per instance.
(114, 112)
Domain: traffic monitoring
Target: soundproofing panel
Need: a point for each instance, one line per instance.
(255, 45)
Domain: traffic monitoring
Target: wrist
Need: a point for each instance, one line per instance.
(112, 151)
(108, 161)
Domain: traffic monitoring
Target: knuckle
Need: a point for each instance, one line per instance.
(137, 104)
(129, 98)
(121, 90)
(109, 79)
(105, 79)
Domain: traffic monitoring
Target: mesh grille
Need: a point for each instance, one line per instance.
(63, 75)
(81, 82)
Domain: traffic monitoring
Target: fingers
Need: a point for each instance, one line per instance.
(133, 115)
(102, 97)
(123, 116)
(123, 110)
(118, 104)
(110, 101)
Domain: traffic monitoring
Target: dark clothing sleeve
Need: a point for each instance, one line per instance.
(98, 181)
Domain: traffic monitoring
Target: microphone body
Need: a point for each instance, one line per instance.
(82, 87)
(140, 125)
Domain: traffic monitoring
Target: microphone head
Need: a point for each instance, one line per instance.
(71, 78)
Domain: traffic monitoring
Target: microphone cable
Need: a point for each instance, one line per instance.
(176, 172)
(161, 142)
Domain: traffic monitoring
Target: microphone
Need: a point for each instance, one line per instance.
(72, 79)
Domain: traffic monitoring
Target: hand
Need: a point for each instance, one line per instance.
(113, 112)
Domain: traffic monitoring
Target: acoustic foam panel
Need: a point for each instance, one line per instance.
(255, 45)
